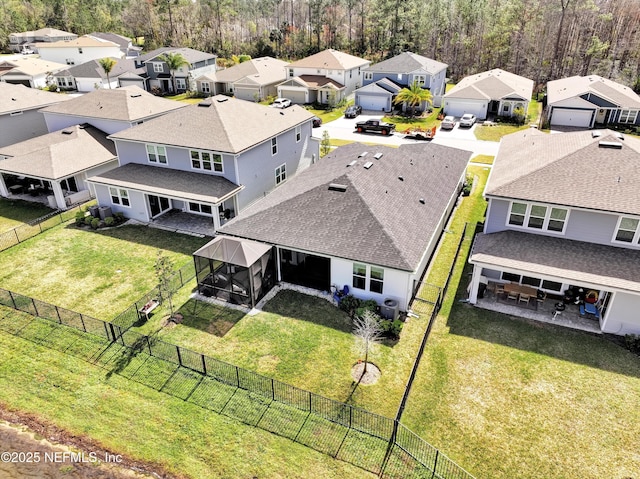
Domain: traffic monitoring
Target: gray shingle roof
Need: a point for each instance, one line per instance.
(565, 88)
(92, 69)
(218, 123)
(378, 219)
(575, 261)
(20, 98)
(189, 54)
(407, 62)
(259, 71)
(492, 85)
(59, 154)
(332, 60)
(130, 103)
(166, 181)
(568, 169)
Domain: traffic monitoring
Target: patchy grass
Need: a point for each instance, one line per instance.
(496, 132)
(184, 97)
(16, 212)
(335, 142)
(405, 123)
(329, 115)
(484, 159)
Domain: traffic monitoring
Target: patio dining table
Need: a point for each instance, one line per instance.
(520, 289)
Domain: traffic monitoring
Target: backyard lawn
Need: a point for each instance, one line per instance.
(16, 212)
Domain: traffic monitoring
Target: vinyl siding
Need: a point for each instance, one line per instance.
(622, 315)
(14, 129)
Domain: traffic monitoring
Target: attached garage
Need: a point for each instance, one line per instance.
(571, 117)
(373, 102)
(248, 94)
(296, 96)
(458, 107)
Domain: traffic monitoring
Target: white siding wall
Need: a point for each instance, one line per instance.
(62, 54)
(29, 124)
(138, 210)
(58, 122)
(622, 315)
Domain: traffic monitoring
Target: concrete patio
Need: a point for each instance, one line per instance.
(182, 222)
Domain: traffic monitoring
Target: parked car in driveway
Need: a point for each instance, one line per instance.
(316, 121)
(281, 103)
(352, 111)
(467, 120)
(448, 123)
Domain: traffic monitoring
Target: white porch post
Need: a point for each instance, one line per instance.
(475, 281)
(57, 192)
(3, 187)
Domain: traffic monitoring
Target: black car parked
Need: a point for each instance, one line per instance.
(352, 111)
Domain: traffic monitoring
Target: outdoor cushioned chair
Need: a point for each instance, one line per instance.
(338, 295)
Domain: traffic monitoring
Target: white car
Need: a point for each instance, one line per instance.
(281, 103)
(467, 120)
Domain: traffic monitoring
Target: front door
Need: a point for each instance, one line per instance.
(600, 117)
(158, 205)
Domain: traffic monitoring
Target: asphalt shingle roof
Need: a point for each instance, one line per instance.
(92, 69)
(492, 85)
(189, 54)
(407, 62)
(259, 71)
(218, 123)
(616, 93)
(570, 169)
(31, 66)
(19, 98)
(568, 259)
(85, 41)
(379, 218)
(332, 60)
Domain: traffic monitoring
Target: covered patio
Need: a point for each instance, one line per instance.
(235, 270)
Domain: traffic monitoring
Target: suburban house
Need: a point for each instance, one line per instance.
(29, 71)
(158, 75)
(564, 219)
(326, 77)
(55, 166)
(26, 40)
(206, 162)
(381, 80)
(365, 217)
(91, 76)
(591, 101)
(109, 110)
(81, 50)
(126, 47)
(20, 118)
(494, 92)
(252, 80)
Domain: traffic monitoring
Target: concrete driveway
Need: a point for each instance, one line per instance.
(345, 129)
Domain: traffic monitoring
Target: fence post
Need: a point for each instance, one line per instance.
(33, 301)
(435, 464)
(181, 281)
(237, 377)
(149, 345)
(112, 332)
(12, 300)
(273, 391)
(106, 330)
(392, 442)
(204, 365)
(15, 230)
(82, 321)
(58, 314)
(350, 414)
(309, 401)
(179, 356)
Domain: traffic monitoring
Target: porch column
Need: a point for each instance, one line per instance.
(475, 281)
(57, 192)
(3, 187)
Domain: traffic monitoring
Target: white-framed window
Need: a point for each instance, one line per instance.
(119, 196)
(368, 75)
(359, 276)
(80, 50)
(281, 174)
(627, 230)
(290, 72)
(298, 133)
(505, 108)
(536, 216)
(205, 87)
(200, 208)
(205, 160)
(157, 154)
(274, 146)
(158, 67)
(628, 116)
(181, 84)
(420, 79)
(376, 280)
(70, 61)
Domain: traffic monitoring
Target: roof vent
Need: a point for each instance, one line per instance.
(67, 132)
(368, 165)
(619, 136)
(401, 178)
(377, 156)
(222, 99)
(610, 144)
(363, 154)
(596, 134)
(352, 163)
(337, 187)
(204, 104)
(137, 95)
(422, 201)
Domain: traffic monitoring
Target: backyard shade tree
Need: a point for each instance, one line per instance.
(414, 96)
(165, 270)
(174, 61)
(107, 65)
(368, 332)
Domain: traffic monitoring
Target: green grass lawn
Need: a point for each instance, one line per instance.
(16, 212)
(330, 115)
(184, 97)
(87, 271)
(495, 133)
(404, 123)
(484, 159)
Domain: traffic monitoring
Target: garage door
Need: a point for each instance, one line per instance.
(460, 107)
(248, 94)
(566, 117)
(295, 96)
(371, 102)
(19, 82)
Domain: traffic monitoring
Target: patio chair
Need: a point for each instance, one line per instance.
(512, 295)
(524, 298)
(338, 295)
(499, 289)
(541, 297)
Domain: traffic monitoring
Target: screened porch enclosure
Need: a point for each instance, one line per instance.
(235, 270)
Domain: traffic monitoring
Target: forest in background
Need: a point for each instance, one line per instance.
(539, 39)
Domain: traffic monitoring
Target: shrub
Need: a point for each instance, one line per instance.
(633, 342)
(95, 222)
(88, 220)
(80, 217)
(109, 221)
(119, 217)
(367, 305)
(391, 328)
(349, 304)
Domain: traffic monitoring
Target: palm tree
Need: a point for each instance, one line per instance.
(174, 61)
(107, 65)
(414, 96)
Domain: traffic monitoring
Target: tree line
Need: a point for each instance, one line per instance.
(539, 39)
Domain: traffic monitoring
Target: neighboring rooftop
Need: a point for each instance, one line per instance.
(59, 154)
(19, 98)
(332, 60)
(592, 169)
(92, 69)
(218, 123)
(407, 62)
(384, 213)
(130, 103)
(30, 66)
(45, 32)
(85, 41)
(492, 85)
(191, 55)
(261, 71)
(616, 93)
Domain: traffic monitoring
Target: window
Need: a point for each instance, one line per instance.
(281, 174)
(204, 160)
(538, 217)
(420, 79)
(368, 75)
(514, 278)
(200, 208)
(274, 146)
(119, 197)
(79, 50)
(298, 133)
(290, 72)
(205, 87)
(505, 108)
(70, 61)
(376, 280)
(628, 116)
(627, 230)
(157, 154)
(551, 285)
(181, 84)
(158, 67)
(359, 276)
(530, 281)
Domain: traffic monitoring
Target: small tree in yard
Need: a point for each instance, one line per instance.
(164, 272)
(107, 65)
(368, 333)
(325, 144)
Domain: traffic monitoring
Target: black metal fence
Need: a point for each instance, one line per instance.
(33, 228)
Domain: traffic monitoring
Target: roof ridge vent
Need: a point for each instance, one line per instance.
(67, 132)
(204, 104)
(619, 135)
(377, 156)
(363, 154)
(596, 134)
(368, 165)
(353, 163)
(337, 187)
(610, 144)
(222, 99)
(136, 95)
